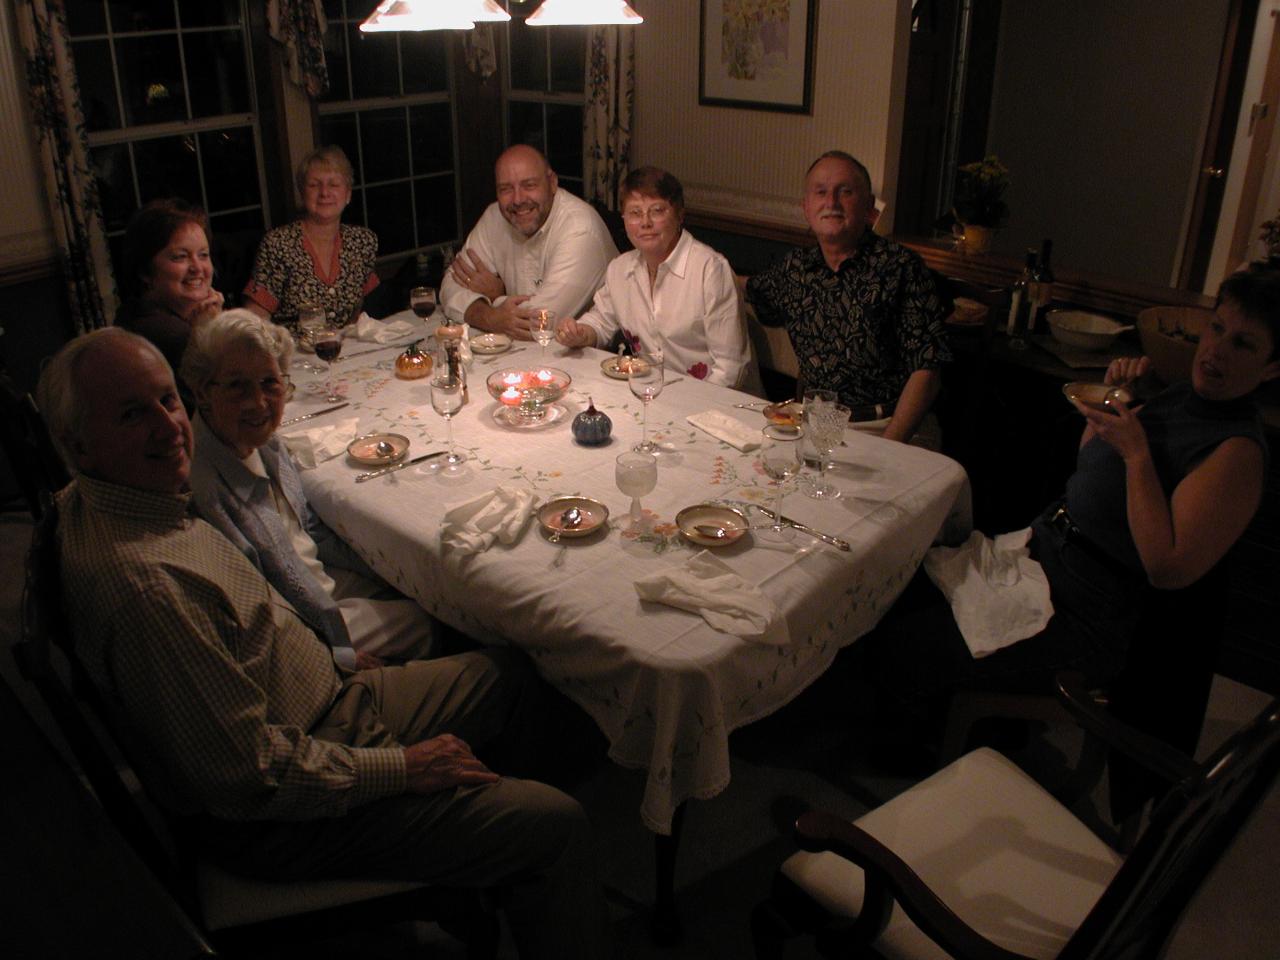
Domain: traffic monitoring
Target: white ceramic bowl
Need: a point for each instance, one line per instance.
(1088, 331)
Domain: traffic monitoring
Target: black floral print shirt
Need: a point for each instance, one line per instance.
(861, 330)
(287, 275)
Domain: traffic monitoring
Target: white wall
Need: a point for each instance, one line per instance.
(751, 163)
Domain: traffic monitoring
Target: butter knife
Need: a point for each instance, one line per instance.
(824, 537)
(308, 416)
(361, 478)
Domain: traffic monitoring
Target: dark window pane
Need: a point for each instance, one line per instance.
(86, 16)
(339, 130)
(333, 10)
(216, 67)
(384, 142)
(167, 168)
(528, 56)
(151, 78)
(129, 15)
(374, 64)
(335, 58)
(524, 124)
(230, 168)
(97, 85)
(355, 209)
(570, 184)
(388, 209)
(568, 59)
(115, 184)
(211, 13)
(234, 243)
(426, 61)
(564, 136)
(434, 208)
(431, 129)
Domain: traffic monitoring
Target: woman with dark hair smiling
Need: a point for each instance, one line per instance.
(167, 275)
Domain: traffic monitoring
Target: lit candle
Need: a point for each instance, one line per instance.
(545, 377)
(511, 397)
(513, 379)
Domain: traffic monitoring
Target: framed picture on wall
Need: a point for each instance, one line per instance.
(757, 54)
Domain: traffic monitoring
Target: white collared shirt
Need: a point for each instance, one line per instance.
(560, 267)
(692, 312)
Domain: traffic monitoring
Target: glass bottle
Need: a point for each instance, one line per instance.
(1020, 302)
(1043, 285)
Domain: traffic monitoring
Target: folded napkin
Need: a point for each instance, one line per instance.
(310, 447)
(376, 331)
(724, 427)
(998, 594)
(706, 586)
(502, 514)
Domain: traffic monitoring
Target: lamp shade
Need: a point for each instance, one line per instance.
(486, 11)
(557, 13)
(392, 15)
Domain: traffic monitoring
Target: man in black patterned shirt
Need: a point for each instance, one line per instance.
(861, 311)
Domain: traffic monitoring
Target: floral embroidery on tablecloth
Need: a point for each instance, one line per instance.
(698, 371)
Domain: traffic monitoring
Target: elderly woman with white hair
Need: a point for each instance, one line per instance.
(245, 484)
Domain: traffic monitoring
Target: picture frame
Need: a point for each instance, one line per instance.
(757, 54)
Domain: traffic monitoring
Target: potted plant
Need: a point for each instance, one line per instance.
(979, 201)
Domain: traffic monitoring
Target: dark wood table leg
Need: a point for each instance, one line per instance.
(665, 928)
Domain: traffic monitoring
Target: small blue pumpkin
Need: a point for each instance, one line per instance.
(591, 427)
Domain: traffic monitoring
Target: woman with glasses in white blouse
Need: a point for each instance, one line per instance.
(245, 484)
(671, 293)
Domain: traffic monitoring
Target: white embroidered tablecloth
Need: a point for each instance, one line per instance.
(664, 687)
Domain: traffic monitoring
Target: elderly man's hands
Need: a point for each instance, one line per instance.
(470, 272)
(441, 763)
(509, 317)
(571, 333)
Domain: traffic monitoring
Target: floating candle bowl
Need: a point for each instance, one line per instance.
(529, 392)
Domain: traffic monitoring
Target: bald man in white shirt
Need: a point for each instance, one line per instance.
(537, 247)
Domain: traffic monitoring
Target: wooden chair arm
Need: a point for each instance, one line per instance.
(888, 875)
(1152, 754)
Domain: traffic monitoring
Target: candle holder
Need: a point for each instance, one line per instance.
(527, 398)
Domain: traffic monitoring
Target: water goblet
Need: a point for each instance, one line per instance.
(636, 474)
(446, 400)
(780, 459)
(422, 301)
(542, 325)
(826, 431)
(816, 399)
(310, 319)
(328, 344)
(644, 377)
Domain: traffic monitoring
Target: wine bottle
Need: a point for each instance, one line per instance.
(1020, 300)
(1042, 286)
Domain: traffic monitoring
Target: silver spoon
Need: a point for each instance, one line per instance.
(384, 449)
(707, 530)
(569, 520)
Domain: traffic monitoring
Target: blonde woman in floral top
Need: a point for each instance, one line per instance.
(671, 293)
(317, 260)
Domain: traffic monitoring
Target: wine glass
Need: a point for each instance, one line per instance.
(825, 429)
(780, 458)
(636, 475)
(644, 376)
(328, 343)
(816, 400)
(542, 325)
(310, 319)
(422, 301)
(446, 399)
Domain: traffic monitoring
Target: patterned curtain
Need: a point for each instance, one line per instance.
(610, 95)
(300, 25)
(84, 258)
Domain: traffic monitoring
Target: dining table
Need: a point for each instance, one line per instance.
(664, 686)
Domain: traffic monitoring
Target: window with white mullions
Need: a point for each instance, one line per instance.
(544, 92)
(390, 108)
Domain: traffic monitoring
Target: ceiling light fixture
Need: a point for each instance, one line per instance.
(392, 15)
(570, 12)
(487, 11)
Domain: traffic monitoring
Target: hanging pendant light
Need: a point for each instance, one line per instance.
(555, 13)
(487, 11)
(392, 15)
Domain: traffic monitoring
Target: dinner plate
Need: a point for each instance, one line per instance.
(617, 367)
(594, 516)
(363, 449)
(1096, 395)
(490, 343)
(786, 414)
(734, 523)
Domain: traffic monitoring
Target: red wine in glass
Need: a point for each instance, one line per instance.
(423, 301)
(328, 349)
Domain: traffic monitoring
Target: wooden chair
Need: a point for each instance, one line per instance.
(232, 910)
(34, 461)
(979, 862)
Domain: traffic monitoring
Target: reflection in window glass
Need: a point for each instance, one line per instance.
(211, 13)
(375, 64)
(524, 124)
(568, 59)
(97, 85)
(115, 184)
(564, 139)
(216, 64)
(434, 207)
(230, 169)
(167, 168)
(431, 126)
(86, 17)
(544, 103)
(151, 79)
(425, 60)
(388, 207)
(387, 132)
(528, 55)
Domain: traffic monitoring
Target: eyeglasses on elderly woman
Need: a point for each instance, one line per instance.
(243, 388)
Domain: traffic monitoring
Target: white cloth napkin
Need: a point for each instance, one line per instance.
(310, 447)
(502, 514)
(724, 427)
(706, 586)
(376, 331)
(998, 594)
